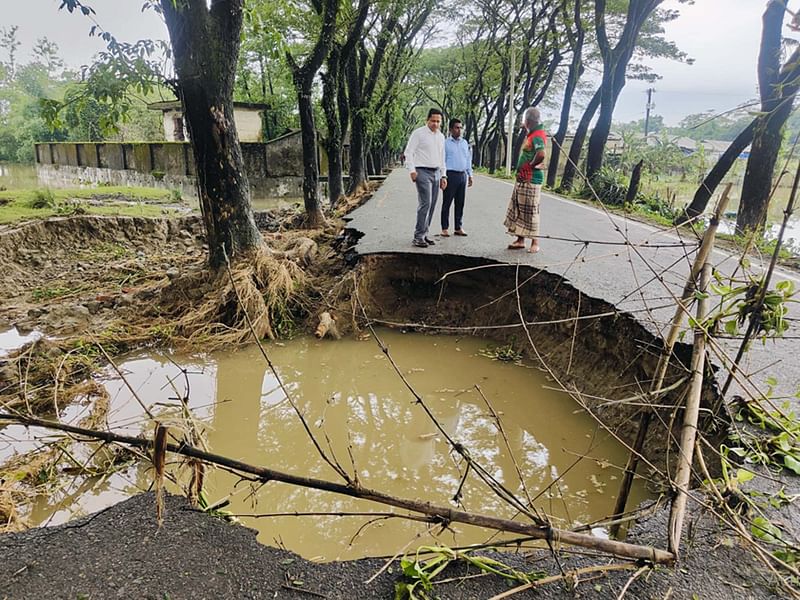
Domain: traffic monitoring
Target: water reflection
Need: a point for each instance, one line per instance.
(791, 237)
(363, 415)
(12, 339)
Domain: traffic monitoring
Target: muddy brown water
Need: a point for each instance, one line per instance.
(352, 397)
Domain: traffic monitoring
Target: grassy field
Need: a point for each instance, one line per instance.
(24, 204)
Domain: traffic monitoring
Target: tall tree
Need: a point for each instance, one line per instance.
(576, 147)
(615, 64)
(205, 47)
(777, 91)
(576, 35)
(303, 74)
(205, 41)
(335, 103)
(364, 70)
(777, 95)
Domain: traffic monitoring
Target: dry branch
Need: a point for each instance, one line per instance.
(445, 514)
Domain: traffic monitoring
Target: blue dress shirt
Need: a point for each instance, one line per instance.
(458, 155)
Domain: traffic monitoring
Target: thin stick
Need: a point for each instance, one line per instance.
(569, 575)
(632, 578)
(690, 418)
(502, 431)
(332, 462)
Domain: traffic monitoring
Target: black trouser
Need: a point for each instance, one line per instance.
(456, 189)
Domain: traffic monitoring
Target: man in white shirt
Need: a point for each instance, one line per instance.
(425, 160)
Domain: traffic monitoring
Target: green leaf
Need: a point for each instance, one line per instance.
(765, 530)
(791, 463)
(731, 327)
(743, 476)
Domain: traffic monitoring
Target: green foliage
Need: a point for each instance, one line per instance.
(42, 198)
(610, 185)
(420, 574)
(708, 126)
(778, 450)
(21, 204)
(40, 294)
(505, 353)
(737, 305)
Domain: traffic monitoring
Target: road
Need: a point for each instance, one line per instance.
(613, 258)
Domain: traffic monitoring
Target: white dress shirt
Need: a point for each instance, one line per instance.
(425, 148)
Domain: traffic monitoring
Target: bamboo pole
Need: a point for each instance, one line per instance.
(706, 246)
(444, 514)
(690, 418)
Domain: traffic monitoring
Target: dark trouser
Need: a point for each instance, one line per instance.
(456, 189)
(427, 195)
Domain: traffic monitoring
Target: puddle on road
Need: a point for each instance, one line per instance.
(351, 393)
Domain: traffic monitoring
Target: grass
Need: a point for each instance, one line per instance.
(26, 204)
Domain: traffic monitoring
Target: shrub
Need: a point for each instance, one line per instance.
(42, 198)
(611, 186)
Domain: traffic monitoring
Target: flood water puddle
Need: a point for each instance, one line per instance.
(12, 339)
(358, 407)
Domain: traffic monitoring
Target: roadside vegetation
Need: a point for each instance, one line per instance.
(40, 203)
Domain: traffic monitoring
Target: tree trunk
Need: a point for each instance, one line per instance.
(205, 47)
(636, 178)
(757, 186)
(615, 64)
(303, 79)
(602, 127)
(703, 194)
(574, 74)
(333, 141)
(308, 133)
(576, 149)
(776, 106)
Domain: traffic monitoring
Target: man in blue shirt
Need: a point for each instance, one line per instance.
(458, 160)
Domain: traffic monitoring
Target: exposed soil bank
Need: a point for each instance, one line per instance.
(604, 356)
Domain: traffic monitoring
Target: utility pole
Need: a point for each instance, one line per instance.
(650, 106)
(510, 136)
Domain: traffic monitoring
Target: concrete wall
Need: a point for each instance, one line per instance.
(274, 170)
(285, 155)
(58, 176)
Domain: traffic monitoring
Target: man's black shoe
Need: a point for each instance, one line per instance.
(420, 243)
(430, 242)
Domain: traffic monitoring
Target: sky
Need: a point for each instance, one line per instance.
(721, 35)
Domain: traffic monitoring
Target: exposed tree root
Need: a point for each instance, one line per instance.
(270, 290)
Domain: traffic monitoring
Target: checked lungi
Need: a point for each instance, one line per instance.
(522, 215)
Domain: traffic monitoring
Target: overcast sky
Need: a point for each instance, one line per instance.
(721, 35)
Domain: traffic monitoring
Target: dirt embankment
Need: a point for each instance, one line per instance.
(61, 275)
